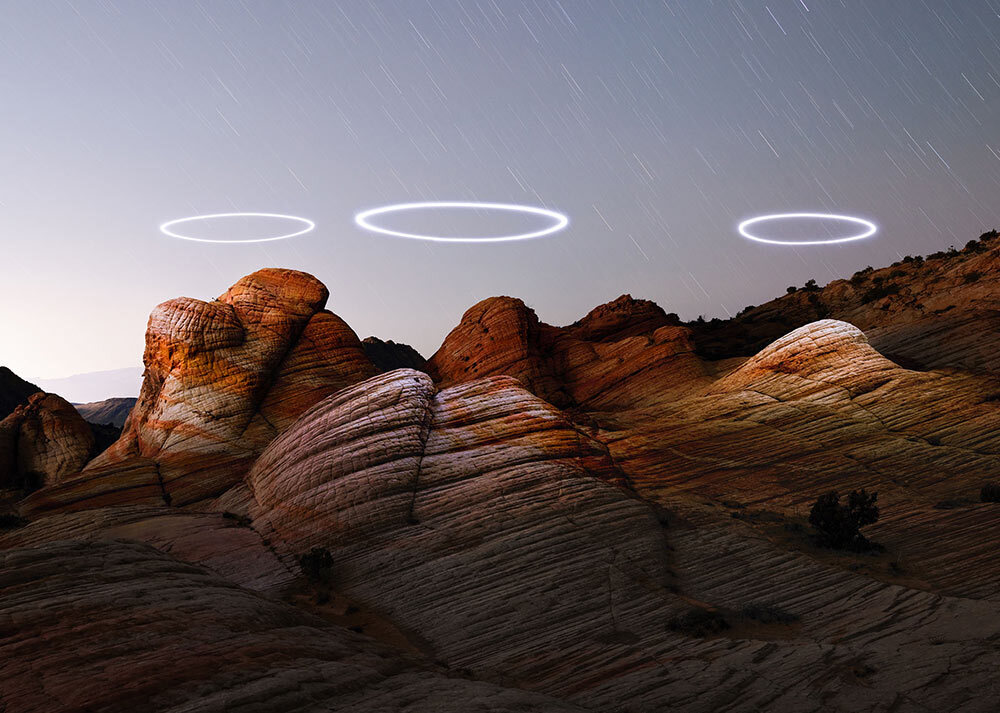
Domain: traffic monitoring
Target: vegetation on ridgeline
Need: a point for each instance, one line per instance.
(838, 525)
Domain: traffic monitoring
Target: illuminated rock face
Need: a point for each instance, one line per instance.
(524, 556)
(42, 442)
(222, 379)
(625, 353)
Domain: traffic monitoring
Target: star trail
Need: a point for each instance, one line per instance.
(656, 126)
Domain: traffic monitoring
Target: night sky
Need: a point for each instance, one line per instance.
(655, 126)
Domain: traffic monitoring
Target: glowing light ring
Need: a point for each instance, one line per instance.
(561, 221)
(870, 228)
(166, 227)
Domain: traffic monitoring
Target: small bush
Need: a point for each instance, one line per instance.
(698, 622)
(838, 526)
(791, 288)
(317, 565)
(767, 614)
(896, 273)
(11, 522)
(971, 277)
(990, 493)
(858, 278)
(811, 286)
(988, 236)
(878, 292)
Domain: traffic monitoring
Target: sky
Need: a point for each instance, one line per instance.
(655, 127)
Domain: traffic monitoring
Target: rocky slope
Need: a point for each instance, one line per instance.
(924, 312)
(42, 442)
(223, 378)
(14, 391)
(109, 411)
(591, 517)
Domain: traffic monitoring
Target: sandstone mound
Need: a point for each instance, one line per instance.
(622, 354)
(223, 378)
(42, 442)
(117, 626)
(644, 548)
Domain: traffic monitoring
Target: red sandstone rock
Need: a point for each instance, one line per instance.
(503, 539)
(222, 379)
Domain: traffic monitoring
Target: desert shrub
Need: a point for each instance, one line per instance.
(698, 622)
(937, 255)
(791, 288)
(858, 278)
(971, 277)
(990, 493)
(838, 525)
(896, 273)
(878, 292)
(767, 613)
(9, 521)
(317, 565)
(810, 286)
(989, 235)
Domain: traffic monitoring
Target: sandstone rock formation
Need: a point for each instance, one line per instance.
(592, 517)
(926, 313)
(223, 378)
(623, 353)
(42, 442)
(116, 626)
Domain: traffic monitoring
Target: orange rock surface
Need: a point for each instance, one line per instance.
(528, 526)
(222, 379)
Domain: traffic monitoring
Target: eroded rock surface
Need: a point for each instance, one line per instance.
(222, 379)
(593, 517)
(42, 442)
(115, 626)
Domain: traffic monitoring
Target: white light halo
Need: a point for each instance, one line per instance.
(870, 228)
(561, 221)
(165, 228)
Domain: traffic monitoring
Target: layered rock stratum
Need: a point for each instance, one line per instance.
(591, 517)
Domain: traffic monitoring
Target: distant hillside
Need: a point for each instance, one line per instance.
(922, 312)
(96, 385)
(14, 391)
(113, 411)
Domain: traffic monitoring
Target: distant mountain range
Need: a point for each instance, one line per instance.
(113, 411)
(95, 385)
